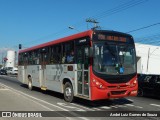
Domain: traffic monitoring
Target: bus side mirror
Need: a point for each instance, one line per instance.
(91, 51)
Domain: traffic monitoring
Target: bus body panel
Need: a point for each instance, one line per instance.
(51, 77)
(118, 90)
(21, 74)
(33, 72)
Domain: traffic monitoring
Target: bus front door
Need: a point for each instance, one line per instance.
(83, 71)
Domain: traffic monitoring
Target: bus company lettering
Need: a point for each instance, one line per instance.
(81, 41)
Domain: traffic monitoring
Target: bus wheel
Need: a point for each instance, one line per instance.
(68, 92)
(140, 92)
(30, 87)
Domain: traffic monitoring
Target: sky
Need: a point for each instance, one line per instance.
(32, 22)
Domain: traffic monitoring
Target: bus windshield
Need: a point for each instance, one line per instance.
(113, 59)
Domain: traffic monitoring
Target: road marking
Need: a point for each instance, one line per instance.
(105, 107)
(3, 89)
(16, 91)
(96, 109)
(129, 105)
(130, 100)
(133, 106)
(39, 104)
(138, 107)
(121, 106)
(82, 107)
(114, 106)
(155, 105)
(71, 107)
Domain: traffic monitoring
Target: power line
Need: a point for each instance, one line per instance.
(144, 27)
(120, 8)
(117, 9)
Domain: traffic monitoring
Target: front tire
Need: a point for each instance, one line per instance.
(68, 92)
(30, 87)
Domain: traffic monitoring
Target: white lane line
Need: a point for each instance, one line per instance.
(133, 105)
(82, 107)
(105, 107)
(138, 107)
(3, 89)
(70, 107)
(129, 105)
(96, 109)
(130, 100)
(16, 91)
(121, 106)
(40, 104)
(114, 106)
(155, 105)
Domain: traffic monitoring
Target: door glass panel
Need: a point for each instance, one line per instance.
(79, 74)
(79, 59)
(86, 58)
(83, 68)
(86, 83)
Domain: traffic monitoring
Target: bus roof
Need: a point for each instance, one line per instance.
(69, 38)
(61, 40)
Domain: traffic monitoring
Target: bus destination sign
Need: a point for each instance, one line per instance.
(112, 38)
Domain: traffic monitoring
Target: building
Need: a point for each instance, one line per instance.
(148, 59)
(10, 62)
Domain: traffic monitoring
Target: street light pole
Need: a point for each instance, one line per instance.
(72, 28)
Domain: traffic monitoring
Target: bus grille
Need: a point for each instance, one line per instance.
(118, 92)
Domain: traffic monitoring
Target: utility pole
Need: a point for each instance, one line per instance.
(149, 55)
(148, 58)
(90, 20)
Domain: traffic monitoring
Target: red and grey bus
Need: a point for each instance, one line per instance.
(103, 65)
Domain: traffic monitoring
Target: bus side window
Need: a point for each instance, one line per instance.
(35, 57)
(25, 58)
(55, 54)
(20, 58)
(30, 58)
(68, 52)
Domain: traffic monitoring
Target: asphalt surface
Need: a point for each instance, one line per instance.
(15, 96)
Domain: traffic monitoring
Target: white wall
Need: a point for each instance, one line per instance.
(148, 55)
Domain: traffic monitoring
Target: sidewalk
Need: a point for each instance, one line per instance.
(12, 102)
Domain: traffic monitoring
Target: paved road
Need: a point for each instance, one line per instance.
(16, 97)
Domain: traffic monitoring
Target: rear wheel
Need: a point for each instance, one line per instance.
(30, 87)
(68, 92)
(140, 92)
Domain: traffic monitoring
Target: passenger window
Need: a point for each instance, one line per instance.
(55, 54)
(68, 53)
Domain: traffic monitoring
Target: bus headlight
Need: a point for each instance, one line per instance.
(133, 83)
(98, 84)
